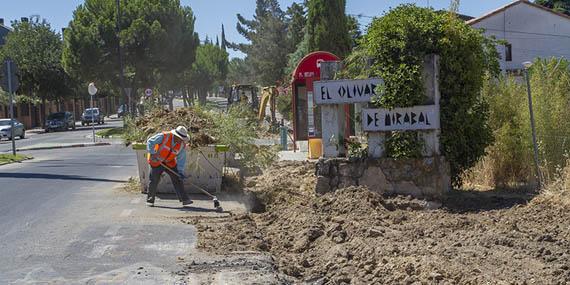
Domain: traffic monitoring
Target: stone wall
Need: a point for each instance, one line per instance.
(421, 178)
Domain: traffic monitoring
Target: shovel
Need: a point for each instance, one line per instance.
(214, 198)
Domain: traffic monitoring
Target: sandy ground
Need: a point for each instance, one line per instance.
(354, 236)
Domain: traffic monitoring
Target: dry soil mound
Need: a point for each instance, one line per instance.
(354, 236)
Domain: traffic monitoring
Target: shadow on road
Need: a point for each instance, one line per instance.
(21, 175)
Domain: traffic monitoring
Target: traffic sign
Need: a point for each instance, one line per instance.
(148, 92)
(10, 82)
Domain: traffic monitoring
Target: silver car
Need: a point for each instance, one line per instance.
(5, 126)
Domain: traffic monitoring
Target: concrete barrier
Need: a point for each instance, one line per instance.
(204, 168)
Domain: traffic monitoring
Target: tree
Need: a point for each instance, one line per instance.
(398, 42)
(238, 72)
(353, 30)
(327, 27)
(562, 6)
(296, 22)
(36, 49)
(224, 41)
(157, 39)
(267, 48)
(211, 65)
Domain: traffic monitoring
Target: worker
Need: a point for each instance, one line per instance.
(168, 148)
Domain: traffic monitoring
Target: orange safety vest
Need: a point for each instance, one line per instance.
(166, 153)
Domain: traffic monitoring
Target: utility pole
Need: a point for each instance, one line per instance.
(9, 74)
(10, 83)
(527, 65)
(119, 50)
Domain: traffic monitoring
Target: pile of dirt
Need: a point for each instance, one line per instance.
(197, 123)
(354, 236)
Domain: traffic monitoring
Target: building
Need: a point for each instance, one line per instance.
(3, 31)
(530, 30)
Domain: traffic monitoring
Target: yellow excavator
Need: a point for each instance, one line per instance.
(268, 95)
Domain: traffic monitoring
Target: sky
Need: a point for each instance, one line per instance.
(211, 14)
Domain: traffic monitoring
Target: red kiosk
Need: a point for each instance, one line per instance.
(306, 115)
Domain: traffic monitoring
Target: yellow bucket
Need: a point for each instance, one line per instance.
(315, 148)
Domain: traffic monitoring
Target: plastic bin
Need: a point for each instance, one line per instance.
(315, 148)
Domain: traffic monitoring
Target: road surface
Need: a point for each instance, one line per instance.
(65, 218)
(80, 135)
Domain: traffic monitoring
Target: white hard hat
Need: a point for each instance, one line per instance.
(181, 132)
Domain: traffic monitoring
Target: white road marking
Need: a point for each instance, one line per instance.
(126, 213)
(99, 250)
(136, 201)
(112, 231)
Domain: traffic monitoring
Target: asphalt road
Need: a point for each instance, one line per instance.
(79, 135)
(66, 219)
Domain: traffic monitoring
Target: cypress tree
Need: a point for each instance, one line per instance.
(224, 43)
(327, 27)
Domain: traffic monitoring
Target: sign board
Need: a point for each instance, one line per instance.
(346, 91)
(148, 92)
(10, 82)
(401, 119)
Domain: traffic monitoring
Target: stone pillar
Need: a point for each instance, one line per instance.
(431, 83)
(333, 117)
(376, 145)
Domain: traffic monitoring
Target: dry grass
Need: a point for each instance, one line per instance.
(558, 190)
(132, 186)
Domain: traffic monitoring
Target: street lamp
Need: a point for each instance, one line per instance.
(92, 91)
(527, 65)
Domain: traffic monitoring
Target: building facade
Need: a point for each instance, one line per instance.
(530, 30)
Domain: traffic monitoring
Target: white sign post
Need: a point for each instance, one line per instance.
(92, 91)
(346, 91)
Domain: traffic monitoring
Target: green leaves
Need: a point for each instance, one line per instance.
(36, 49)
(211, 65)
(268, 48)
(157, 39)
(328, 27)
(397, 44)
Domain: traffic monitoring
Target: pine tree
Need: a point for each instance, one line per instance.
(327, 27)
(267, 49)
(296, 21)
(217, 41)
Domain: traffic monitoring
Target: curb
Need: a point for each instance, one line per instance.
(64, 146)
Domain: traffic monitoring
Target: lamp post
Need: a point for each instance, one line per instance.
(92, 91)
(527, 65)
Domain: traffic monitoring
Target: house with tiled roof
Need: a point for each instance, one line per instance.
(530, 30)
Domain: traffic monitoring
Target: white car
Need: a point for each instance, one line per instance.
(5, 127)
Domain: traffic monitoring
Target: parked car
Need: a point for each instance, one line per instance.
(92, 115)
(60, 121)
(6, 126)
(122, 110)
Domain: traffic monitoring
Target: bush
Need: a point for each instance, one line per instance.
(398, 43)
(507, 161)
(510, 160)
(237, 129)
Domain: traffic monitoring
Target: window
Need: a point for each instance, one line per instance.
(508, 52)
